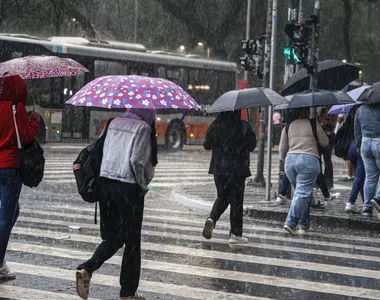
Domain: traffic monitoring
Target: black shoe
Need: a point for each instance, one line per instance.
(208, 229)
(367, 212)
(376, 204)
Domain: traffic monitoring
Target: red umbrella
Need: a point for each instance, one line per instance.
(35, 67)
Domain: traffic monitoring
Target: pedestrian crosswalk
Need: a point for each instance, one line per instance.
(178, 263)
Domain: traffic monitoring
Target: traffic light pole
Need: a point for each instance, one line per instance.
(247, 32)
(270, 108)
(314, 51)
(259, 179)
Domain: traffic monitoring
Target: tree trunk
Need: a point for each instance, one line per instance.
(347, 10)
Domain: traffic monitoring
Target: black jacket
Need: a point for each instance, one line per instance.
(230, 148)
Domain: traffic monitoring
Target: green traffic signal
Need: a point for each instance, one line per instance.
(290, 54)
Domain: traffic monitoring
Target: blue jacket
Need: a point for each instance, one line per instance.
(367, 123)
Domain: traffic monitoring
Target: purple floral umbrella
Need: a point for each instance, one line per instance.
(114, 92)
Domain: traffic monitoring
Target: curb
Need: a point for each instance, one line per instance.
(346, 222)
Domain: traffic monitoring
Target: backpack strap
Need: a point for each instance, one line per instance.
(313, 123)
(14, 105)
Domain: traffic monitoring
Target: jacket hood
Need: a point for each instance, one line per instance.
(13, 88)
(147, 115)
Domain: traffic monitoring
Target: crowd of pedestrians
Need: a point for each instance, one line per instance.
(305, 142)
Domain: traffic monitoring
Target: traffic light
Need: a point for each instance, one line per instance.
(253, 59)
(300, 36)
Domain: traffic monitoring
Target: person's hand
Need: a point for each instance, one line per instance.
(35, 116)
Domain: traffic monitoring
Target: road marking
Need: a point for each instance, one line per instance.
(200, 222)
(201, 272)
(148, 286)
(85, 238)
(17, 292)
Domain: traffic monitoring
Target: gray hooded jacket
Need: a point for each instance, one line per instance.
(127, 151)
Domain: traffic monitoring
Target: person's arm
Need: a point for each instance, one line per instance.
(358, 132)
(323, 139)
(141, 158)
(27, 128)
(208, 143)
(284, 145)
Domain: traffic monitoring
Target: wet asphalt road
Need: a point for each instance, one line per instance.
(177, 262)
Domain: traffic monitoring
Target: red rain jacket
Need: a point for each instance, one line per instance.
(13, 88)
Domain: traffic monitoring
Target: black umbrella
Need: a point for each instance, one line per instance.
(332, 75)
(247, 98)
(371, 95)
(316, 97)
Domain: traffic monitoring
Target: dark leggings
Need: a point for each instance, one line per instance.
(230, 191)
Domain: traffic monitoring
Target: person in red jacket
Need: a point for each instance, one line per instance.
(12, 89)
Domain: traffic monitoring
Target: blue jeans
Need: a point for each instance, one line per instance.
(10, 188)
(371, 158)
(358, 183)
(302, 171)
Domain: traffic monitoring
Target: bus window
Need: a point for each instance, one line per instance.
(16, 54)
(161, 72)
(103, 68)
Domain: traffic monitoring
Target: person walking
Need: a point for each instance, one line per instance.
(367, 137)
(328, 125)
(12, 89)
(299, 150)
(230, 140)
(129, 158)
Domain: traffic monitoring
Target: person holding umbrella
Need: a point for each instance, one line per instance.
(129, 158)
(299, 150)
(230, 140)
(12, 89)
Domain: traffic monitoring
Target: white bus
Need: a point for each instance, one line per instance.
(204, 79)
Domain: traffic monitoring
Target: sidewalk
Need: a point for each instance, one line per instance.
(255, 206)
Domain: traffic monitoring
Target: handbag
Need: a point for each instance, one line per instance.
(32, 161)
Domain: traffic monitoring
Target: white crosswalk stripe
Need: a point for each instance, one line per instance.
(179, 264)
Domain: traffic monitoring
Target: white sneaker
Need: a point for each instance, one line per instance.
(302, 231)
(290, 230)
(135, 297)
(281, 200)
(6, 273)
(333, 197)
(238, 239)
(350, 207)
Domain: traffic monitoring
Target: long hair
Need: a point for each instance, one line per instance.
(228, 130)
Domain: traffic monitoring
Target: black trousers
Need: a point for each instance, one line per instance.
(329, 168)
(230, 191)
(121, 210)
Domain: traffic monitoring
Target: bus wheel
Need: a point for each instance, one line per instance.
(175, 137)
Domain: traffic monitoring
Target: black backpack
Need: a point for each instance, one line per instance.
(343, 138)
(32, 161)
(87, 169)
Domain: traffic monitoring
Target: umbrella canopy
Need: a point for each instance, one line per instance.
(313, 98)
(36, 67)
(346, 108)
(354, 85)
(371, 95)
(133, 91)
(331, 75)
(247, 98)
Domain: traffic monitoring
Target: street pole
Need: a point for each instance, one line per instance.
(300, 21)
(259, 178)
(271, 86)
(136, 20)
(247, 29)
(314, 49)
